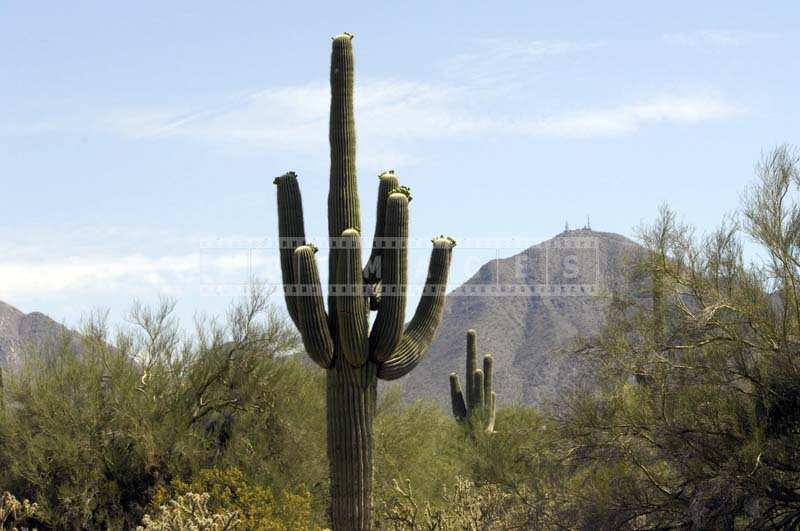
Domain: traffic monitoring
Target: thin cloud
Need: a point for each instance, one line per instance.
(101, 261)
(127, 273)
(391, 111)
(500, 62)
(626, 119)
(710, 38)
(394, 114)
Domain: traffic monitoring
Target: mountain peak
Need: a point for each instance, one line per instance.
(528, 309)
(18, 329)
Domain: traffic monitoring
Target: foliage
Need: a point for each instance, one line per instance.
(417, 442)
(14, 514)
(128, 417)
(254, 507)
(700, 374)
(191, 512)
(464, 507)
(693, 422)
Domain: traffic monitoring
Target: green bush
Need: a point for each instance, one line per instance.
(238, 503)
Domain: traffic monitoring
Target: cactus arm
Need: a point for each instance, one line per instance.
(457, 399)
(291, 234)
(480, 399)
(420, 332)
(372, 271)
(488, 374)
(388, 328)
(351, 306)
(312, 320)
(492, 410)
(472, 364)
(343, 205)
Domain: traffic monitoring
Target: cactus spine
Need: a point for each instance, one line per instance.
(478, 409)
(339, 339)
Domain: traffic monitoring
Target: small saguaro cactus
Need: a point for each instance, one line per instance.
(479, 407)
(340, 340)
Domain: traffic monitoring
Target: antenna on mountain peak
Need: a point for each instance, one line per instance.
(566, 226)
(588, 223)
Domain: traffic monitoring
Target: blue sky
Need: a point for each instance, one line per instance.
(138, 141)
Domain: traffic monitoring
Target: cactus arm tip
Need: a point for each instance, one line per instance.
(443, 241)
(285, 177)
(403, 190)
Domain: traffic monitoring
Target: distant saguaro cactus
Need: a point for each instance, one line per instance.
(340, 339)
(479, 407)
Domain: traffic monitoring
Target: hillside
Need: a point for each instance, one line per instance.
(528, 310)
(18, 329)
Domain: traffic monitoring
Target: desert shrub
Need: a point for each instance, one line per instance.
(190, 511)
(524, 456)
(418, 442)
(254, 506)
(464, 506)
(15, 515)
(695, 423)
(91, 432)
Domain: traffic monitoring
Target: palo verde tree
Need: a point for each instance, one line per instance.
(479, 407)
(340, 340)
(698, 408)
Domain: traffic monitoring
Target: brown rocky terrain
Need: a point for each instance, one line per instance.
(528, 310)
(18, 329)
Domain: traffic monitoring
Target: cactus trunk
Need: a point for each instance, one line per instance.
(352, 395)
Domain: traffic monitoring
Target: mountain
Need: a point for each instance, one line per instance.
(528, 310)
(18, 329)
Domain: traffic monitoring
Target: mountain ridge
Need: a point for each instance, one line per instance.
(528, 309)
(18, 329)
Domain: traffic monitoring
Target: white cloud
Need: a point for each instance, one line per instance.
(121, 261)
(394, 110)
(470, 100)
(500, 62)
(710, 38)
(295, 118)
(129, 273)
(632, 117)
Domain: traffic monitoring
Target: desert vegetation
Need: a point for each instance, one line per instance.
(692, 420)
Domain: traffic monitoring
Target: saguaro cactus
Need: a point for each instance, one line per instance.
(340, 339)
(479, 407)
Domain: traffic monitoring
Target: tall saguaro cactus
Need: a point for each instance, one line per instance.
(340, 340)
(479, 407)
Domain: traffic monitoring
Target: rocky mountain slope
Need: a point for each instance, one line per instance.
(18, 329)
(528, 310)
